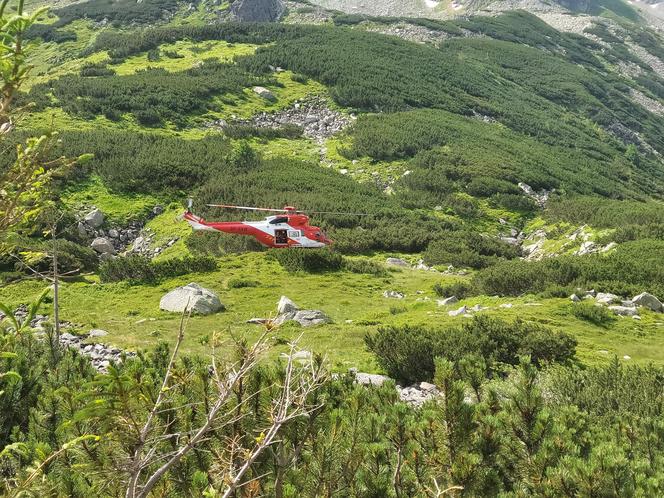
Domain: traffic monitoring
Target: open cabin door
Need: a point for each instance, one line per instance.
(281, 237)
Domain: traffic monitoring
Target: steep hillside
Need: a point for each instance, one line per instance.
(488, 319)
(475, 147)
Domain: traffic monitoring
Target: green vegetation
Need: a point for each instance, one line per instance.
(152, 96)
(141, 270)
(534, 399)
(632, 268)
(309, 260)
(594, 313)
(408, 354)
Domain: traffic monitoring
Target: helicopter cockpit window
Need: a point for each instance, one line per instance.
(280, 219)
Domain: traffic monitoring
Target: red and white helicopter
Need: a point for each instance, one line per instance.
(289, 228)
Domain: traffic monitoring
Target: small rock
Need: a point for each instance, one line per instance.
(636, 317)
(367, 379)
(461, 311)
(506, 305)
(82, 232)
(302, 355)
(285, 305)
(393, 294)
(627, 357)
(157, 210)
(97, 333)
(307, 318)
(103, 246)
(397, 262)
(94, 218)
(574, 298)
(67, 337)
(447, 301)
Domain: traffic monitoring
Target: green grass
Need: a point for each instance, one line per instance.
(168, 226)
(119, 208)
(131, 313)
(192, 53)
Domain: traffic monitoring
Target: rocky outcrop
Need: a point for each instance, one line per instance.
(93, 226)
(312, 114)
(257, 10)
(540, 197)
(287, 311)
(101, 355)
(191, 297)
(415, 395)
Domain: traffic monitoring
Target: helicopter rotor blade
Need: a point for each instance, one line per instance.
(336, 212)
(247, 208)
(284, 210)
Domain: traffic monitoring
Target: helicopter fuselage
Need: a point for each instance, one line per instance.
(280, 231)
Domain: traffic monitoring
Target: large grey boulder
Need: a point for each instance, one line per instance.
(285, 305)
(103, 246)
(191, 297)
(606, 298)
(367, 379)
(94, 218)
(648, 301)
(623, 310)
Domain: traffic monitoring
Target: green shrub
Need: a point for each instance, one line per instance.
(218, 244)
(593, 313)
(307, 260)
(407, 353)
(134, 268)
(299, 78)
(467, 249)
(139, 269)
(364, 266)
(632, 267)
(239, 131)
(241, 283)
(459, 289)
